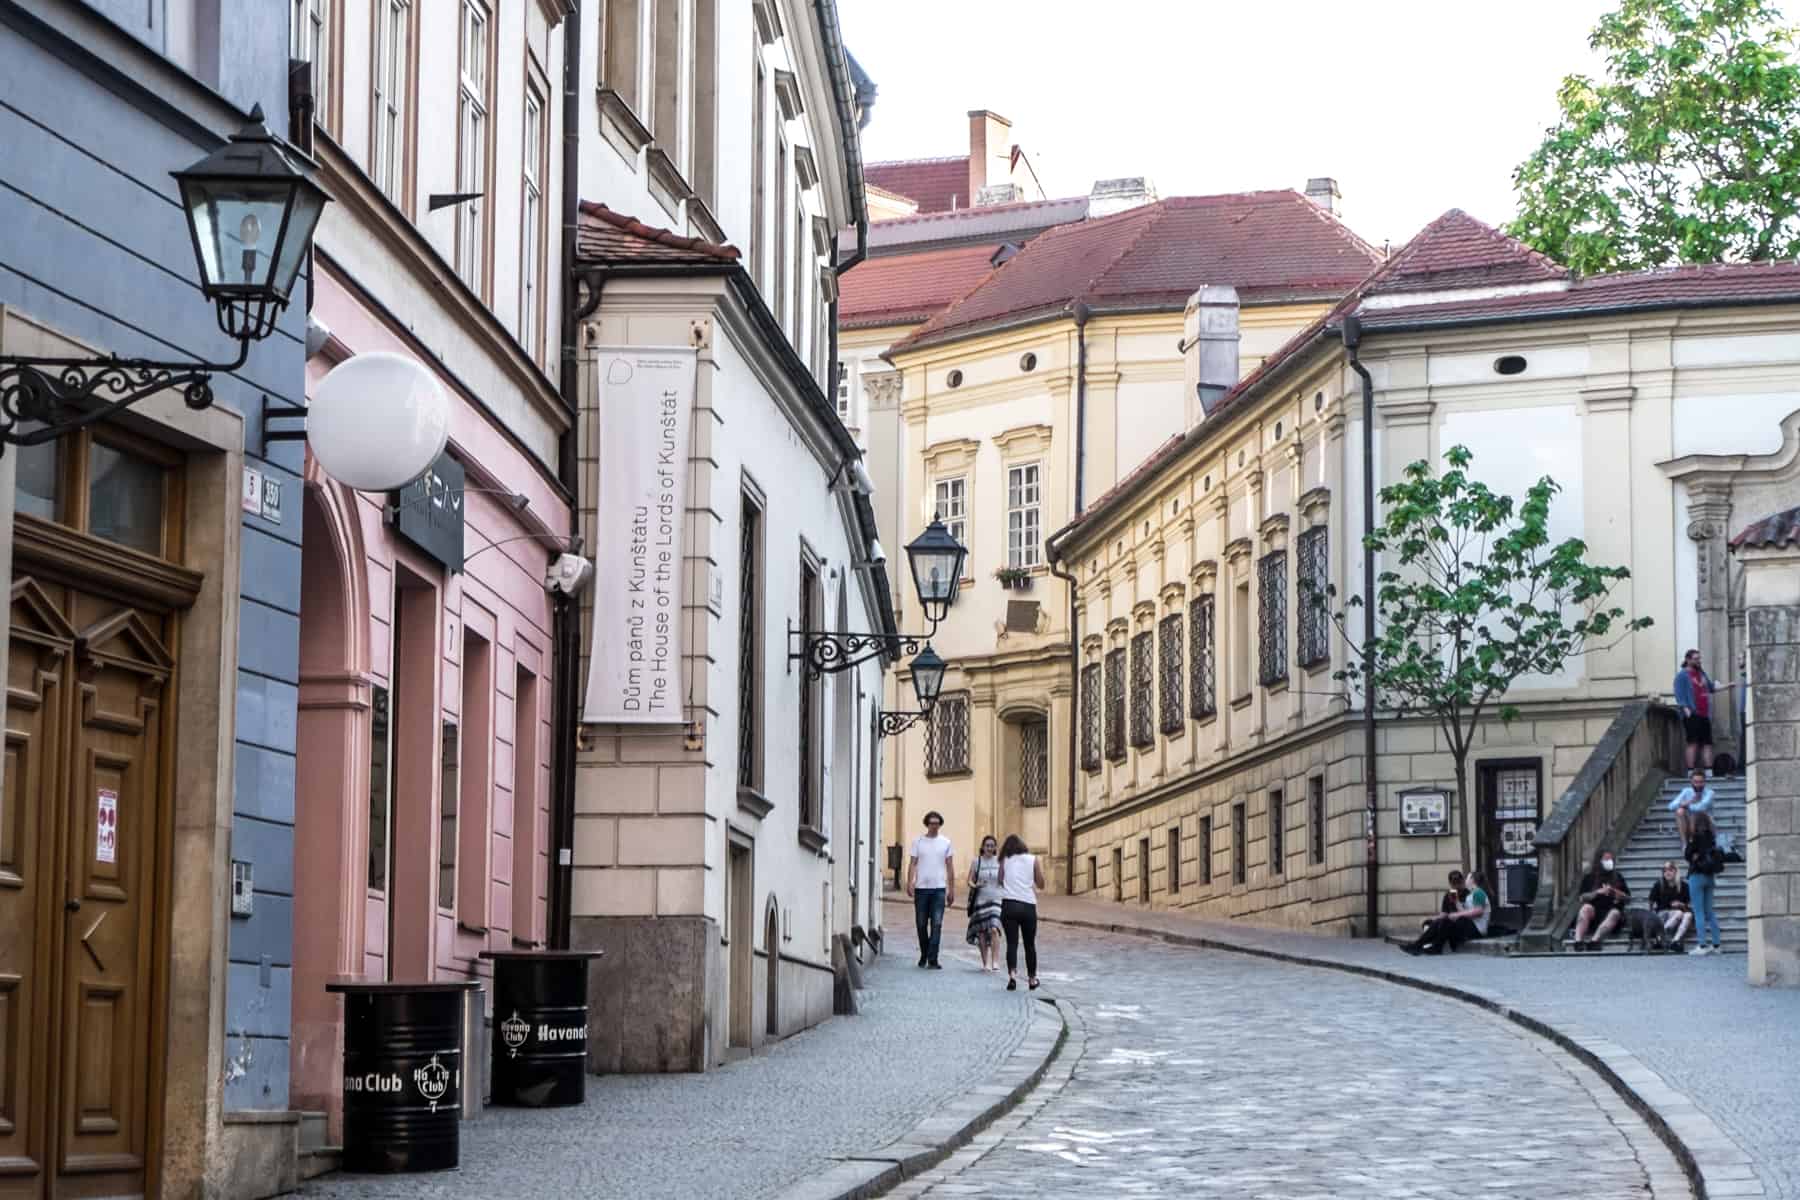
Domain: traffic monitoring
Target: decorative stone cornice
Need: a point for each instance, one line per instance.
(1274, 531)
(1174, 594)
(1092, 645)
(1117, 628)
(1205, 574)
(1315, 505)
(1608, 399)
(1023, 441)
(1237, 549)
(883, 390)
(951, 454)
(1143, 612)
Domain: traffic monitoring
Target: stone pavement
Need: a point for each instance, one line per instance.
(1196, 1072)
(761, 1125)
(1715, 1059)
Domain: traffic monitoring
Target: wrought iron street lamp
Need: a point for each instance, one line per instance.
(928, 681)
(935, 559)
(251, 212)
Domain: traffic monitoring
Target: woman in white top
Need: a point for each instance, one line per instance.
(1021, 875)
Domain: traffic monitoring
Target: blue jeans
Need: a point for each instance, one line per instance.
(1706, 910)
(928, 912)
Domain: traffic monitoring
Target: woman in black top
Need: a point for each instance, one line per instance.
(1669, 900)
(1705, 861)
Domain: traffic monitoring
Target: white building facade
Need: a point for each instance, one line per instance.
(725, 802)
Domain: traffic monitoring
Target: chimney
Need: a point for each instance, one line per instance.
(1323, 192)
(990, 151)
(1209, 345)
(1116, 195)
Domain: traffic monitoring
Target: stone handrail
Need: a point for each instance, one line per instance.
(1610, 793)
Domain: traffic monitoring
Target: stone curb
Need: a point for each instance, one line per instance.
(1699, 1145)
(938, 1136)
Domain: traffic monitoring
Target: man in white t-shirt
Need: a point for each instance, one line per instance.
(930, 880)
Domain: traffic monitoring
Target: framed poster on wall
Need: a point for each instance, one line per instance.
(1424, 812)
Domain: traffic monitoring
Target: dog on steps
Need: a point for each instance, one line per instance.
(1645, 927)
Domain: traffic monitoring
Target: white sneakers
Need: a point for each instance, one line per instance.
(1703, 950)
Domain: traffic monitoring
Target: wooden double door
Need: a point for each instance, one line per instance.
(84, 838)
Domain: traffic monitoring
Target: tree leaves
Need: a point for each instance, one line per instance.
(1687, 152)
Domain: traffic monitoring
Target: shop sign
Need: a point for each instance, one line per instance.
(1424, 812)
(428, 512)
(646, 404)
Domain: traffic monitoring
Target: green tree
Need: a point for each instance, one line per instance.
(1688, 151)
(1475, 596)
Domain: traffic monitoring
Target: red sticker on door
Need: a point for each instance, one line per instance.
(106, 827)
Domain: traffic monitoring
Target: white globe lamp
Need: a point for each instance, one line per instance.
(378, 421)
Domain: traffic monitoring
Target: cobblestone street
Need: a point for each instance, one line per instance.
(1203, 1073)
(755, 1127)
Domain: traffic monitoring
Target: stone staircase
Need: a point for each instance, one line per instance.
(1656, 841)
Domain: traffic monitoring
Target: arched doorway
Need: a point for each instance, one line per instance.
(772, 939)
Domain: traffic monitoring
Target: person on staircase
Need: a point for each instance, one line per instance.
(1705, 861)
(1696, 797)
(1670, 901)
(1694, 690)
(1604, 894)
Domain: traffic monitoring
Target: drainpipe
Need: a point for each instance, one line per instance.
(1081, 319)
(566, 618)
(1352, 335)
(1074, 725)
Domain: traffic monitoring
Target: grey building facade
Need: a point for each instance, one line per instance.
(152, 639)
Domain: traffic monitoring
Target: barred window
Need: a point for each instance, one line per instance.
(1143, 700)
(1169, 672)
(810, 606)
(1034, 764)
(1271, 640)
(749, 645)
(1090, 717)
(947, 735)
(1203, 683)
(1315, 805)
(1277, 832)
(1174, 871)
(1240, 851)
(1115, 704)
(1205, 851)
(1314, 576)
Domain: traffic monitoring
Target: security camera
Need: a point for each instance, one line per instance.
(860, 482)
(877, 556)
(568, 575)
(317, 334)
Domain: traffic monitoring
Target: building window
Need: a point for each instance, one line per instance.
(1241, 644)
(947, 735)
(1034, 764)
(1240, 852)
(1204, 700)
(778, 257)
(1205, 850)
(1090, 717)
(1271, 631)
(1315, 813)
(526, 725)
(750, 607)
(1174, 869)
(703, 115)
(619, 40)
(393, 47)
(381, 780)
(310, 41)
(1314, 577)
(449, 794)
(1093, 873)
(798, 329)
(953, 506)
(843, 393)
(1024, 516)
(1115, 704)
(472, 104)
(810, 708)
(1118, 865)
(1168, 640)
(1277, 833)
(531, 232)
(759, 167)
(1143, 870)
(665, 81)
(1143, 699)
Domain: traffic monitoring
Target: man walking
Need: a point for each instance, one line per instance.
(930, 878)
(1693, 696)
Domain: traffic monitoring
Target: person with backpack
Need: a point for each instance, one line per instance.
(1705, 861)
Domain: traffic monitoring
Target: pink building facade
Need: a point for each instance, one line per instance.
(424, 715)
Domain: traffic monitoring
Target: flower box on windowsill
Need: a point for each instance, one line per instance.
(1014, 577)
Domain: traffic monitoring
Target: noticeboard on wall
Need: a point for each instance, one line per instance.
(1424, 812)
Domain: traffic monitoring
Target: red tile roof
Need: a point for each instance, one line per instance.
(1770, 533)
(1271, 246)
(1458, 252)
(909, 288)
(605, 236)
(936, 184)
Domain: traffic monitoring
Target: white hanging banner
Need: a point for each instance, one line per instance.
(646, 404)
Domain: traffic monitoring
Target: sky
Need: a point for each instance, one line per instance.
(1414, 106)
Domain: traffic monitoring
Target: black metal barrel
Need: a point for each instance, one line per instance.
(402, 1074)
(540, 1034)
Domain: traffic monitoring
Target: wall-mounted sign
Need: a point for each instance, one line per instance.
(428, 512)
(1424, 812)
(106, 827)
(646, 403)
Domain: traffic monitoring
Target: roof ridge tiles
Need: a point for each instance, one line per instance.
(658, 235)
(907, 162)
